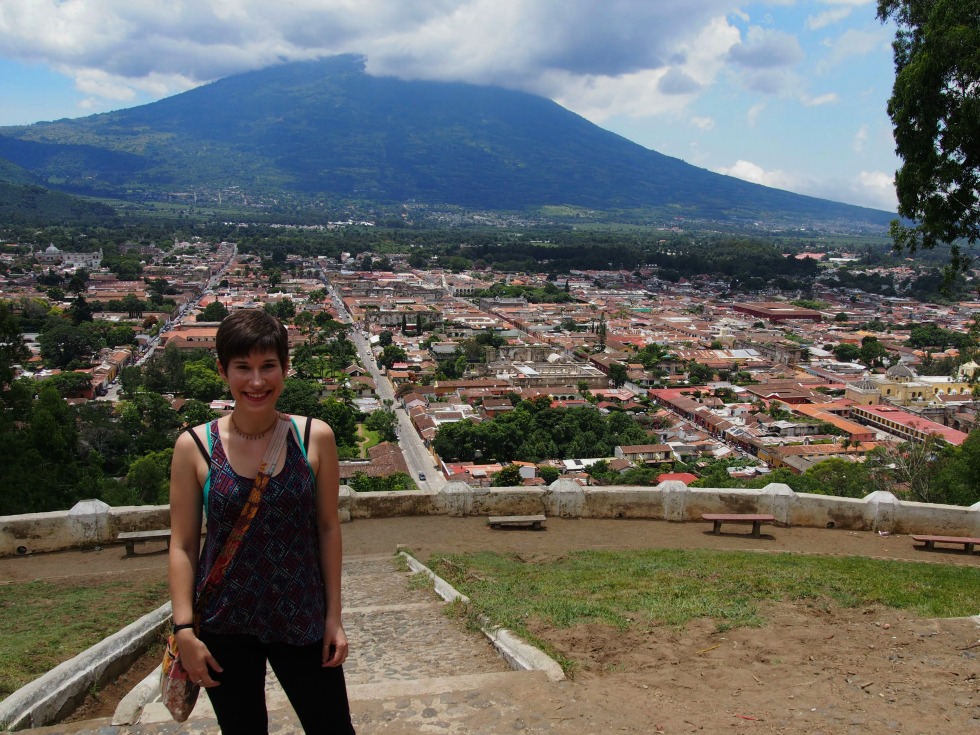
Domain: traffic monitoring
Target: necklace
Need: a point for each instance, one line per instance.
(252, 437)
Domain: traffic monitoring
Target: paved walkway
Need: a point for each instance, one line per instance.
(412, 669)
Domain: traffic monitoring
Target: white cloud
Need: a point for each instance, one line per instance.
(854, 42)
(510, 42)
(752, 116)
(827, 18)
(765, 49)
(867, 189)
(860, 138)
(699, 59)
(874, 189)
(704, 123)
(749, 171)
(824, 99)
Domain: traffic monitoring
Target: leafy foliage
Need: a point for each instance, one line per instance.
(534, 431)
(934, 110)
(397, 481)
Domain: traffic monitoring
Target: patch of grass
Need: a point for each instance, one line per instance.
(672, 587)
(371, 438)
(44, 624)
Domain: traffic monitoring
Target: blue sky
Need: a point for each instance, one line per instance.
(786, 93)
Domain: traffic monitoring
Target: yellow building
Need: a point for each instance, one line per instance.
(901, 385)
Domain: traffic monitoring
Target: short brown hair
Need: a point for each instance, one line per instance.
(249, 330)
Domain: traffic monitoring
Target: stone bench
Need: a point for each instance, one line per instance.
(534, 522)
(930, 542)
(131, 538)
(756, 519)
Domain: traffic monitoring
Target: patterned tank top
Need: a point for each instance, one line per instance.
(273, 588)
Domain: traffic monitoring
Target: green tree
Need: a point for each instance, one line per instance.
(873, 353)
(202, 382)
(70, 384)
(65, 344)
(698, 374)
(457, 442)
(509, 476)
(149, 477)
(283, 310)
(172, 363)
(395, 482)
(617, 374)
(934, 112)
(80, 310)
(77, 283)
(835, 477)
(300, 397)
(385, 423)
(119, 335)
(213, 312)
(150, 421)
(548, 473)
(958, 480)
(13, 350)
(195, 412)
(133, 306)
(392, 354)
(343, 420)
(847, 352)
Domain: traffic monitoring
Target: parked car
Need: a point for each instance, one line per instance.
(422, 476)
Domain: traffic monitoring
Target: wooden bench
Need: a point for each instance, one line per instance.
(930, 542)
(534, 522)
(756, 519)
(131, 538)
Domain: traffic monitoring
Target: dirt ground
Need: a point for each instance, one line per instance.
(813, 669)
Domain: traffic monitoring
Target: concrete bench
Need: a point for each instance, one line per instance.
(131, 538)
(534, 522)
(930, 542)
(756, 519)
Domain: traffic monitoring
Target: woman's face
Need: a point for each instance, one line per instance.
(255, 381)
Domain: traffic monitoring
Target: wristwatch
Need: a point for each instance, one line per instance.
(182, 626)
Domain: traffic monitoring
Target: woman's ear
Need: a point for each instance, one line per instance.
(221, 370)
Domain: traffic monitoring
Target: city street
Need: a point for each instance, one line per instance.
(416, 454)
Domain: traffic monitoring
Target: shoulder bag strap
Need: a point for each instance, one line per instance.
(306, 434)
(267, 468)
(200, 444)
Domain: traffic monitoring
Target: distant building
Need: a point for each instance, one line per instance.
(778, 311)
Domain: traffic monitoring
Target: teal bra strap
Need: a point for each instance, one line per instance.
(207, 482)
(302, 447)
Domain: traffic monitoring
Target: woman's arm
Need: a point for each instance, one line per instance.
(329, 539)
(186, 500)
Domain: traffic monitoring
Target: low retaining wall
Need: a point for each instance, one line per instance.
(56, 694)
(93, 523)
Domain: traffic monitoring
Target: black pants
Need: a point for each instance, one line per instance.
(317, 694)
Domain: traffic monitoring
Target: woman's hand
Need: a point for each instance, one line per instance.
(197, 659)
(335, 646)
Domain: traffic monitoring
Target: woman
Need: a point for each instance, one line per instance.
(279, 598)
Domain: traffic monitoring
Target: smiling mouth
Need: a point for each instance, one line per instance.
(256, 396)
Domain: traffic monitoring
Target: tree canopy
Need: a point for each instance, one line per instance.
(935, 110)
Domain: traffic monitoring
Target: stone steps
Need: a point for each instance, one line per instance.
(411, 665)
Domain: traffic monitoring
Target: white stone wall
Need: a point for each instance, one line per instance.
(92, 523)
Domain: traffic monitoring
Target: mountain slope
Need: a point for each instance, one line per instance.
(326, 128)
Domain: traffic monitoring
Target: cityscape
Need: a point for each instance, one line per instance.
(713, 385)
